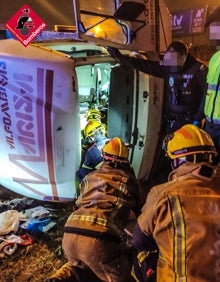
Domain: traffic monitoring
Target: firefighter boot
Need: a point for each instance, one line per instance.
(66, 273)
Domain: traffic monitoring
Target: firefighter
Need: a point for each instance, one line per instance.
(181, 217)
(91, 115)
(108, 203)
(94, 133)
(94, 114)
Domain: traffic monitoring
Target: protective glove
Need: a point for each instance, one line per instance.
(114, 52)
(196, 122)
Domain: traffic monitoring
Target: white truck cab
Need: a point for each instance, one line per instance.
(47, 88)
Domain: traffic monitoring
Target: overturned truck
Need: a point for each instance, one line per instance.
(47, 87)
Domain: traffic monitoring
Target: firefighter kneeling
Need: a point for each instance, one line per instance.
(181, 216)
(93, 232)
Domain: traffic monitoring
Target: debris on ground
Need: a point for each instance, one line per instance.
(31, 234)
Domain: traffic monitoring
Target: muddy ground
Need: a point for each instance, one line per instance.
(35, 262)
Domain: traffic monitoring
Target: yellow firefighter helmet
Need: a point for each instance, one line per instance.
(115, 150)
(188, 140)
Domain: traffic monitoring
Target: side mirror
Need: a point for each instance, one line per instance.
(129, 11)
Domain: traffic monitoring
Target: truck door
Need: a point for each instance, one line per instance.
(134, 114)
(120, 106)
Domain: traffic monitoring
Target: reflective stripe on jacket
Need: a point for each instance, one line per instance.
(107, 197)
(212, 101)
(183, 216)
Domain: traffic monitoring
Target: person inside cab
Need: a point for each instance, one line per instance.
(181, 217)
(92, 114)
(93, 234)
(95, 134)
(184, 77)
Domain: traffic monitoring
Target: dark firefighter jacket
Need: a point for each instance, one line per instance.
(93, 158)
(107, 197)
